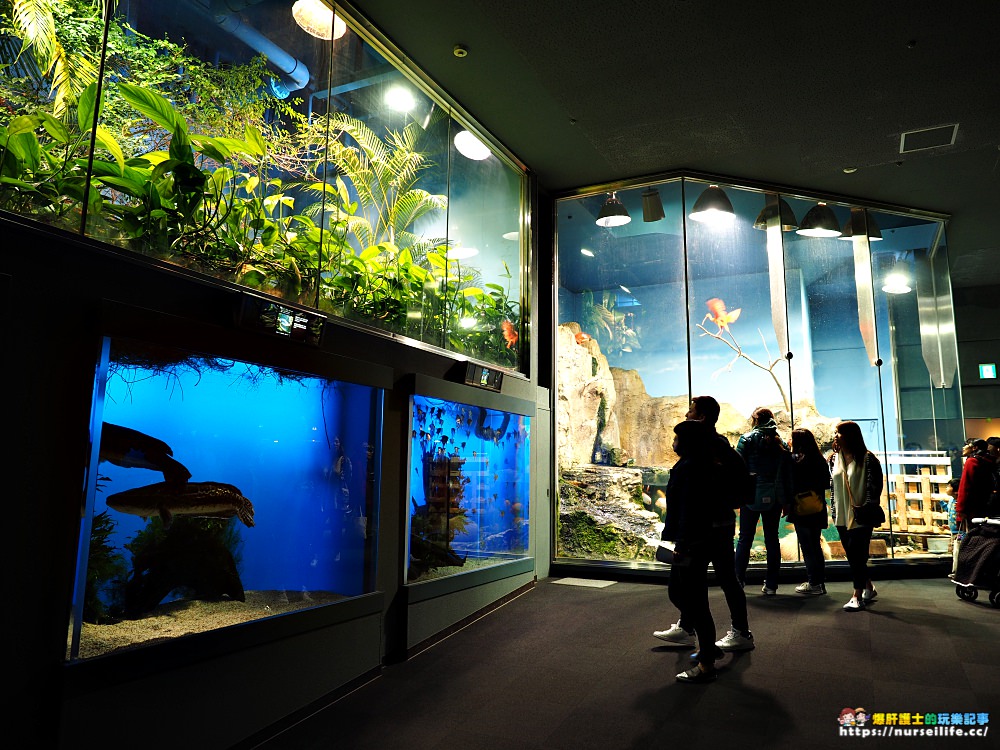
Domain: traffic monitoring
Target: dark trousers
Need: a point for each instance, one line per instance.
(812, 553)
(688, 591)
(748, 529)
(723, 557)
(856, 543)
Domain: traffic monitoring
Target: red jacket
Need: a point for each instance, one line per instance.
(975, 487)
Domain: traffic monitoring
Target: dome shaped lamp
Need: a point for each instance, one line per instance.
(613, 213)
(820, 221)
(318, 19)
(713, 207)
(787, 216)
(857, 222)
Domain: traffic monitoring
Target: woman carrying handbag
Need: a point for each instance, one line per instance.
(857, 486)
(807, 509)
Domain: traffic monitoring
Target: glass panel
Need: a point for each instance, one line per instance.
(220, 492)
(236, 142)
(780, 304)
(47, 121)
(201, 167)
(622, 368)
(469, 488)
(484, 253)
(912, 275)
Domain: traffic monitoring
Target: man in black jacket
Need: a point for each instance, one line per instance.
(706, 409)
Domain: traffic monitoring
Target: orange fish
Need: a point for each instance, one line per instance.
(509, 334)
(581, 337)
(718, 315)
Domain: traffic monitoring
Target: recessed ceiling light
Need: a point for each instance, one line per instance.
(471, 147)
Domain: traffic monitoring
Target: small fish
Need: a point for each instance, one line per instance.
(509, 334)
(496, 477)
(581, 337)
(414, 434)
(718, 315)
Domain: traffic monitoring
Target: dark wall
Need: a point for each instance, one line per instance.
(977, 323)
(60, 294)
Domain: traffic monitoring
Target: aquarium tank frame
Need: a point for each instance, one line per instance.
(367, 226)
(630, 316)
(256, 347)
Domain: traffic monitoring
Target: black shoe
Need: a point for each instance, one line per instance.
(717, 654)
(696, 674)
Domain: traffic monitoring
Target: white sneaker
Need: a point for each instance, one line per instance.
(855, 605)
(676, 636)
(808, 588)
(736, 641)
(768, 592)
(869, 595)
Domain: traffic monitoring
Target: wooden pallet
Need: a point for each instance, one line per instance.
(919, 503)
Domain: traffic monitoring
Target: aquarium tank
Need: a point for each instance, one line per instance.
(469, 488)
(219, 492)
(819, 310)
(269, 144)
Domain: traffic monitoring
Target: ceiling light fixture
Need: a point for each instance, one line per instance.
(461, 253)
(788, 221)
(857, 222)
(400, 99)
(896, 283)
(318, 19)
(820, 221)
(471, 147)
(613, 213)
(652, 206)
(713, 207)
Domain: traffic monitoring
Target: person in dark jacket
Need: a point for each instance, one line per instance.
(810, 473)
(689, 525)
(857, 480)
(764, 453)
(705, 410)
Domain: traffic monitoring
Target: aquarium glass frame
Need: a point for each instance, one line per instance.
(799, 269)
(158, 172)
(335, 556)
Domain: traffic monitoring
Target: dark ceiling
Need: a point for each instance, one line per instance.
(783, 93)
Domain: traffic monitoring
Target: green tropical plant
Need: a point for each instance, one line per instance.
(47, 30)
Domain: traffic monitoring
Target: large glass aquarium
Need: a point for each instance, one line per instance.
(219, 492)
(272, 145)
(820, 310)
(469, 488)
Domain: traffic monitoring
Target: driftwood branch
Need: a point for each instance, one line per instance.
(733, 344)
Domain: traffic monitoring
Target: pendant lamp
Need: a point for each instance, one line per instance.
(820, 221)
(652, 206)
(857, 221)
(613, 213)
(788, 221)
(713, 207)
(317, 18)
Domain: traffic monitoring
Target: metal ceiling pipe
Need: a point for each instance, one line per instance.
(225, 13)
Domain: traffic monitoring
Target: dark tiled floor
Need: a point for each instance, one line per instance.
(574, 668)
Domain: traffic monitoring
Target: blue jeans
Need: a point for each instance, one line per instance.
(812, 553)
(748, 529)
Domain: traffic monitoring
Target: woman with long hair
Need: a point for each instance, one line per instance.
(765, 454)
(810, 475)
(857, 480)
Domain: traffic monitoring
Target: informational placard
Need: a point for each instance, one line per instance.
(483, 377)
(272, 317)
(988, 371)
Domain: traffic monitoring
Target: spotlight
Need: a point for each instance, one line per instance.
(713, 207)
(820, 221)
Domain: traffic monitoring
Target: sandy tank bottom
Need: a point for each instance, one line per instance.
(189, 616)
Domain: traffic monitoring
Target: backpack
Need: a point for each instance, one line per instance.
(738, 485)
